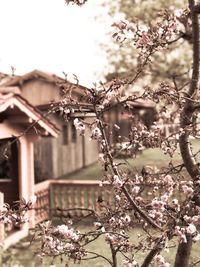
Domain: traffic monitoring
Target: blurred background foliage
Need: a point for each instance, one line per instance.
(174, 62)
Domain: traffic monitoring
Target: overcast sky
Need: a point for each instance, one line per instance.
(51, 36)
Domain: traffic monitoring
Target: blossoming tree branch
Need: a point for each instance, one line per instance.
(172, 211)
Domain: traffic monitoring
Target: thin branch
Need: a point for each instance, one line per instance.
(123, 188)
(153, 252)
(194, 263)
(100, 256)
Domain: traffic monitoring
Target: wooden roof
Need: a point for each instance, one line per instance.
(142, 103)
(48, 77)
(19, 79)
(16, 109)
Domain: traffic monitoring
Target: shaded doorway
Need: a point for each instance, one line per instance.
(9, 173)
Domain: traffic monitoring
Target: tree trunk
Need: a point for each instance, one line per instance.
(186, 118)
(158, 247)
(183, 253)
(114, 255)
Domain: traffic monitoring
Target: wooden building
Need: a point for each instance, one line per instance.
(67, 153)
(124, 116)
(20, 126)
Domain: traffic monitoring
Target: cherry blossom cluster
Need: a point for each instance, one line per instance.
(160, 261)
(141, 137)
(149, 40)
(106, 94)
(60, 240)
(130, 263)
(16, 214)
(79, 125)
(96, 133)
(191, 229)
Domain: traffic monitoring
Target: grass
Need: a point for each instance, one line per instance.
(148, 157)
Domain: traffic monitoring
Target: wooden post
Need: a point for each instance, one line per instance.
(26, 174)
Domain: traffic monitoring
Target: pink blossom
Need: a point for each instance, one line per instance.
(196, 238)
(175, 201)
(69, 246)
(117, 197)
(63, 229)
(97, 224)
(96, 133)
(168, 179)
(68, 232)
(187, 190)
(33, 199)
(161, 261)
(136, 189)
(79, 125)
(158, 204)
(130, 263)
(117, 182)
(191, 229)
(127, 219)
(112, 220)
(180, 232)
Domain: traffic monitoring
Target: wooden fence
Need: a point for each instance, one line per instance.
(42, 204)
(57, 198)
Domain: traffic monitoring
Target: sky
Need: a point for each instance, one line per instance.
(54, 37)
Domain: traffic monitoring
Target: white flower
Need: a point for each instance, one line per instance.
(175, 201)
(191, 229)
(97, 224)
(62, 229)
(112, 220)
(117, 197)
(69, 246)
(168, 179)
(136, 189)
(196, 238)
(129, 263)
(68, 232)
(96, 133)
(103, 229)
(79, 125)
(161, 261)
(195, 218)
(164, 197)
(117, 182)
(49, 242)
(187, 190)
(33, 199)
(127, 219)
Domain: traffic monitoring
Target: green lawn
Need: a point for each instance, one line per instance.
(148, 157)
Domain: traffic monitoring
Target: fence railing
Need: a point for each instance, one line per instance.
(58, 198)
(76, 198)
(42, 204)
